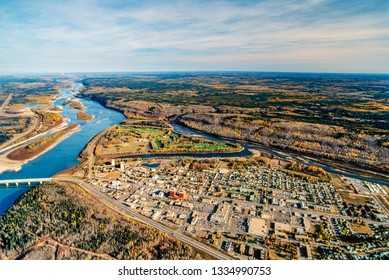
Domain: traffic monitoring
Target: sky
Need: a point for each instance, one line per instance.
(204, 35)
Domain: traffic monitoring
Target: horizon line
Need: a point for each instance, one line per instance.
(184, 71)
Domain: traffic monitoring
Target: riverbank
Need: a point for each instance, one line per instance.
(52, 130)
(333, 166)
(64, 153)
(31, 150)
(43, 121)
(15, 164)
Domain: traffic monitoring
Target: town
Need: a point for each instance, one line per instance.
(255, 212)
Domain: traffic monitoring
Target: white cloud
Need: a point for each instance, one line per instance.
(227, 34)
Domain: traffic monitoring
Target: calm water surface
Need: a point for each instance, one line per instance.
(65, 154)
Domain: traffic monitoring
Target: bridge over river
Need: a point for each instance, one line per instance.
(16, 182)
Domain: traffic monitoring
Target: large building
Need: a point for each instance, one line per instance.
(180, 195)
(222, 213)
(258, 227)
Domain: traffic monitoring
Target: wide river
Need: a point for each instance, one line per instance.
(65, 154)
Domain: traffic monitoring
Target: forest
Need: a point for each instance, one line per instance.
(341, 117)
(54, 221)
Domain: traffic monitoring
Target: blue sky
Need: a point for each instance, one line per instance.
(118, 35)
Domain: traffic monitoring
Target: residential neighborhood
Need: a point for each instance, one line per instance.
(256, 212)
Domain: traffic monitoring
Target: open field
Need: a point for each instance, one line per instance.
(360, 228)
(354, 198)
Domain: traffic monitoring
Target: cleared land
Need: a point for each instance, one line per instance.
(49, 120)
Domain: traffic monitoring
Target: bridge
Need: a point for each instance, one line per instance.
(28, 181)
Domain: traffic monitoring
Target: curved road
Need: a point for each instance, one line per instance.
(31, 127)
(7, 145)
(5, 103)
(118, 207)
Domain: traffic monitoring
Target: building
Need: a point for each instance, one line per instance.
(242, 248)
(221, 214)
(155, 215)
(173, 193)
(250, 251)
(207, 201)
(258, 227)
(194, 220)
(180, 195)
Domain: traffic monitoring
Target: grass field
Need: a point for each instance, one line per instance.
(354, 198)
(360, 228)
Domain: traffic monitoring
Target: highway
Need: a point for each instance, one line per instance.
(30, 129)
(118, 207)
(3, 112)
(5, 103)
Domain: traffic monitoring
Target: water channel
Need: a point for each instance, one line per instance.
(65, 154)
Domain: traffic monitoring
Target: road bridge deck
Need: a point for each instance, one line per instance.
(28, 181)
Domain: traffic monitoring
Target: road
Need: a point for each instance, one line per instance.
(5, 103)
(30, 129)
(90, 151)
(118, 207)
(8, 115)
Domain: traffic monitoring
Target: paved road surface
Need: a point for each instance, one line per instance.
(30, 129)
(5, 103)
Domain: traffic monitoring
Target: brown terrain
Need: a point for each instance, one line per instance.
(31, 150)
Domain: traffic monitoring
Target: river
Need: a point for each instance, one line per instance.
(65, 154)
